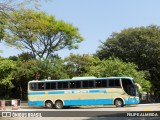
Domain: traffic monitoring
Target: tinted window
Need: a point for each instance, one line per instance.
(72, 84)
(33, 86)
(111, 83)
(85, 84)
(41, 86)
(98, 83)
(48, 86)
(65, 85)
(114, 83)
(53, 85)
(78, 84)
(60, 85)
(88, 84)
(117, 82)
(104, 83)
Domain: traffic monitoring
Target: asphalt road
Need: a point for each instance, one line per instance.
(139, 112)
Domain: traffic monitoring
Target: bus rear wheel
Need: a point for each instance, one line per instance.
(118, 103)
(49, 104)
(59, 104)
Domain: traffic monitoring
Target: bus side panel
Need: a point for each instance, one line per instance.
(88, 102)
(36, 103)
(36, 98)
(75, 97)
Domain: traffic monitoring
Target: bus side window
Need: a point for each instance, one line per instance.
(60, 85)
(78, 84)
(104, 83)
(41, 86)
(72, 84)
(111, 83)
(53, 85)
(114, 83)
(48, 85)
(85, 84)
(65, 85)
(91, 84)
(33, 86)
(117, 83)
(98, 83)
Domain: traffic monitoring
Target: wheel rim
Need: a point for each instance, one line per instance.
(49, 105)
(118, 103)
(59, 105)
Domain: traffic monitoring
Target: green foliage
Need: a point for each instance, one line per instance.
(33, 69)
(78, 65)
(54, 69)
(87, 65)
(1, 29)
(25, 56)
(12, 5)
(2, 25)
(115, 67)
(40, 33)
(20, 71)
(7, 6)
(7, 68)
(139, 45)
(36, 70)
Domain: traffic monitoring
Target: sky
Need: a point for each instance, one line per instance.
(97, 20)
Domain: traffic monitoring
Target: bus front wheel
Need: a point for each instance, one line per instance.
(58, 104)
(118, 103)
(49, 104)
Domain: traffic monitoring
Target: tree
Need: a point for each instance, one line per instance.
(7, 69)
(140, 45)
(78, 65)
(114, 67)
(40, 33)
(24, 56)
(7, 6)
(2, 26)
(12, 5)
(88, 65)
(6, 72)
(33, 69)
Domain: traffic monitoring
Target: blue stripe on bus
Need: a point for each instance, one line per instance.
(76, 102)
(56, 92)
(69, 92)
(36, 93)
(96, 91)
(88, 102)
(36, 103)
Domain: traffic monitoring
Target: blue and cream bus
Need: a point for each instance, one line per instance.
(83, 91)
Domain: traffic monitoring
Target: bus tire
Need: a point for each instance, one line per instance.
(49, 104)
(118, 102)
(58, 104)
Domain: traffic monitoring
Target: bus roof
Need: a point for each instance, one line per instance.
(81, 78)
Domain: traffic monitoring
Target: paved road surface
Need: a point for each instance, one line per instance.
(90, 113)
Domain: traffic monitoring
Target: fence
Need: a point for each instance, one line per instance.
(10, 103)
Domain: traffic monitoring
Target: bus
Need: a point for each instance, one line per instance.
(83, 91)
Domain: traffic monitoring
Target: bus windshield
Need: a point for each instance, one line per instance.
(129, 87)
